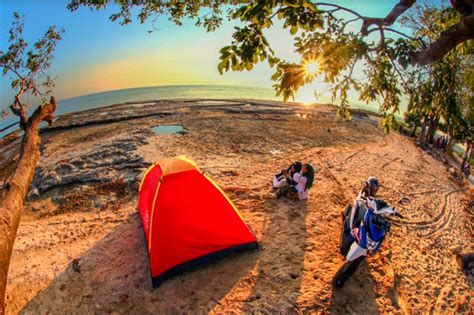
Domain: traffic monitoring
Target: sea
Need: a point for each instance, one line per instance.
(98, 100)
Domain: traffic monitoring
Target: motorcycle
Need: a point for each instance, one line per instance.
(370, 228)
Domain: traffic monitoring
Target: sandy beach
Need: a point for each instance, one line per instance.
(80, 247)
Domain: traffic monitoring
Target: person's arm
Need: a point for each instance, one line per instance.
(301, 186)
(292, 180)
(279, 175)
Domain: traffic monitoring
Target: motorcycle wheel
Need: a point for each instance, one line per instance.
(346, 212)
(346, 239)
(346, 271)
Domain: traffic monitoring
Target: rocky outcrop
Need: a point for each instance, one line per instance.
(103, 163)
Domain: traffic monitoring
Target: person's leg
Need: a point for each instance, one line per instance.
(283, 191)
(292, 193)
(277, 180)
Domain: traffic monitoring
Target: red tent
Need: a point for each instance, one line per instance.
(188, 220)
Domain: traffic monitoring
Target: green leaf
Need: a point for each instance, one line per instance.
(310, 6)
(276, 75)
(221, 66)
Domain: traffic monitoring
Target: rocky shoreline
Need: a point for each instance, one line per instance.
(102, 163)
(80, 246)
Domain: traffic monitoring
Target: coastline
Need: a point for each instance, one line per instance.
(153, 93)
(84, 207)
(61, 117)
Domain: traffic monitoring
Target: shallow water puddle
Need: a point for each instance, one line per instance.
(303, 116)
(168, 130)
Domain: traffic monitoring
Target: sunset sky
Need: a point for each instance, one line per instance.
(98, 55)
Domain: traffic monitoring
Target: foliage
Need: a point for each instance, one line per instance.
(319, 33)
(29, 68)
(440, 90)
(412, 119)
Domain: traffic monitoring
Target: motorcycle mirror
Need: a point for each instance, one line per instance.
(404, 201)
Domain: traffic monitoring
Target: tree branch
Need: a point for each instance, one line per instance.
(350, 21)
(450, 38)
(44, 112)
(397, 10)
(383, 29)
(274, 14)
(19, 110)
(340, 8)
(3, 65)
(399, 33)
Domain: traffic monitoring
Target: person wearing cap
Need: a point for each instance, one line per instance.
(369, 190)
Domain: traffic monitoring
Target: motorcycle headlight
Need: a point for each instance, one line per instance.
(371, 245)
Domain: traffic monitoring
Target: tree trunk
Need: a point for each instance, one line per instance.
(450, 144)
(468, 153)
(432, 129)
(422, 137)
(16, 188)
(413, 133)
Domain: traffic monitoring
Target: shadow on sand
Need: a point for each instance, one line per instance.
(114, 277)
(281, 263)
(357, 295)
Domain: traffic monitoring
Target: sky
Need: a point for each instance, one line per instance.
(98, 55)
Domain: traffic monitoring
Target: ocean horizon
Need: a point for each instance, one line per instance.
(107, 98)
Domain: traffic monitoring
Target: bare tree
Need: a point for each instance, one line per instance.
(28, 70)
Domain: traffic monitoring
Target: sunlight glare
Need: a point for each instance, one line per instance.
(311, 67)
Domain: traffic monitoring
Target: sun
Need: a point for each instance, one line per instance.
(311, 67)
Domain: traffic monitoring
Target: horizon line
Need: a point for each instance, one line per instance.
(166, 85)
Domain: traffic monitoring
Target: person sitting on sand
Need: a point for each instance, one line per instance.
(442, 142)
(285, 177)
(464, 160)
(305, 181)
(299, 185)
(466, 170)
